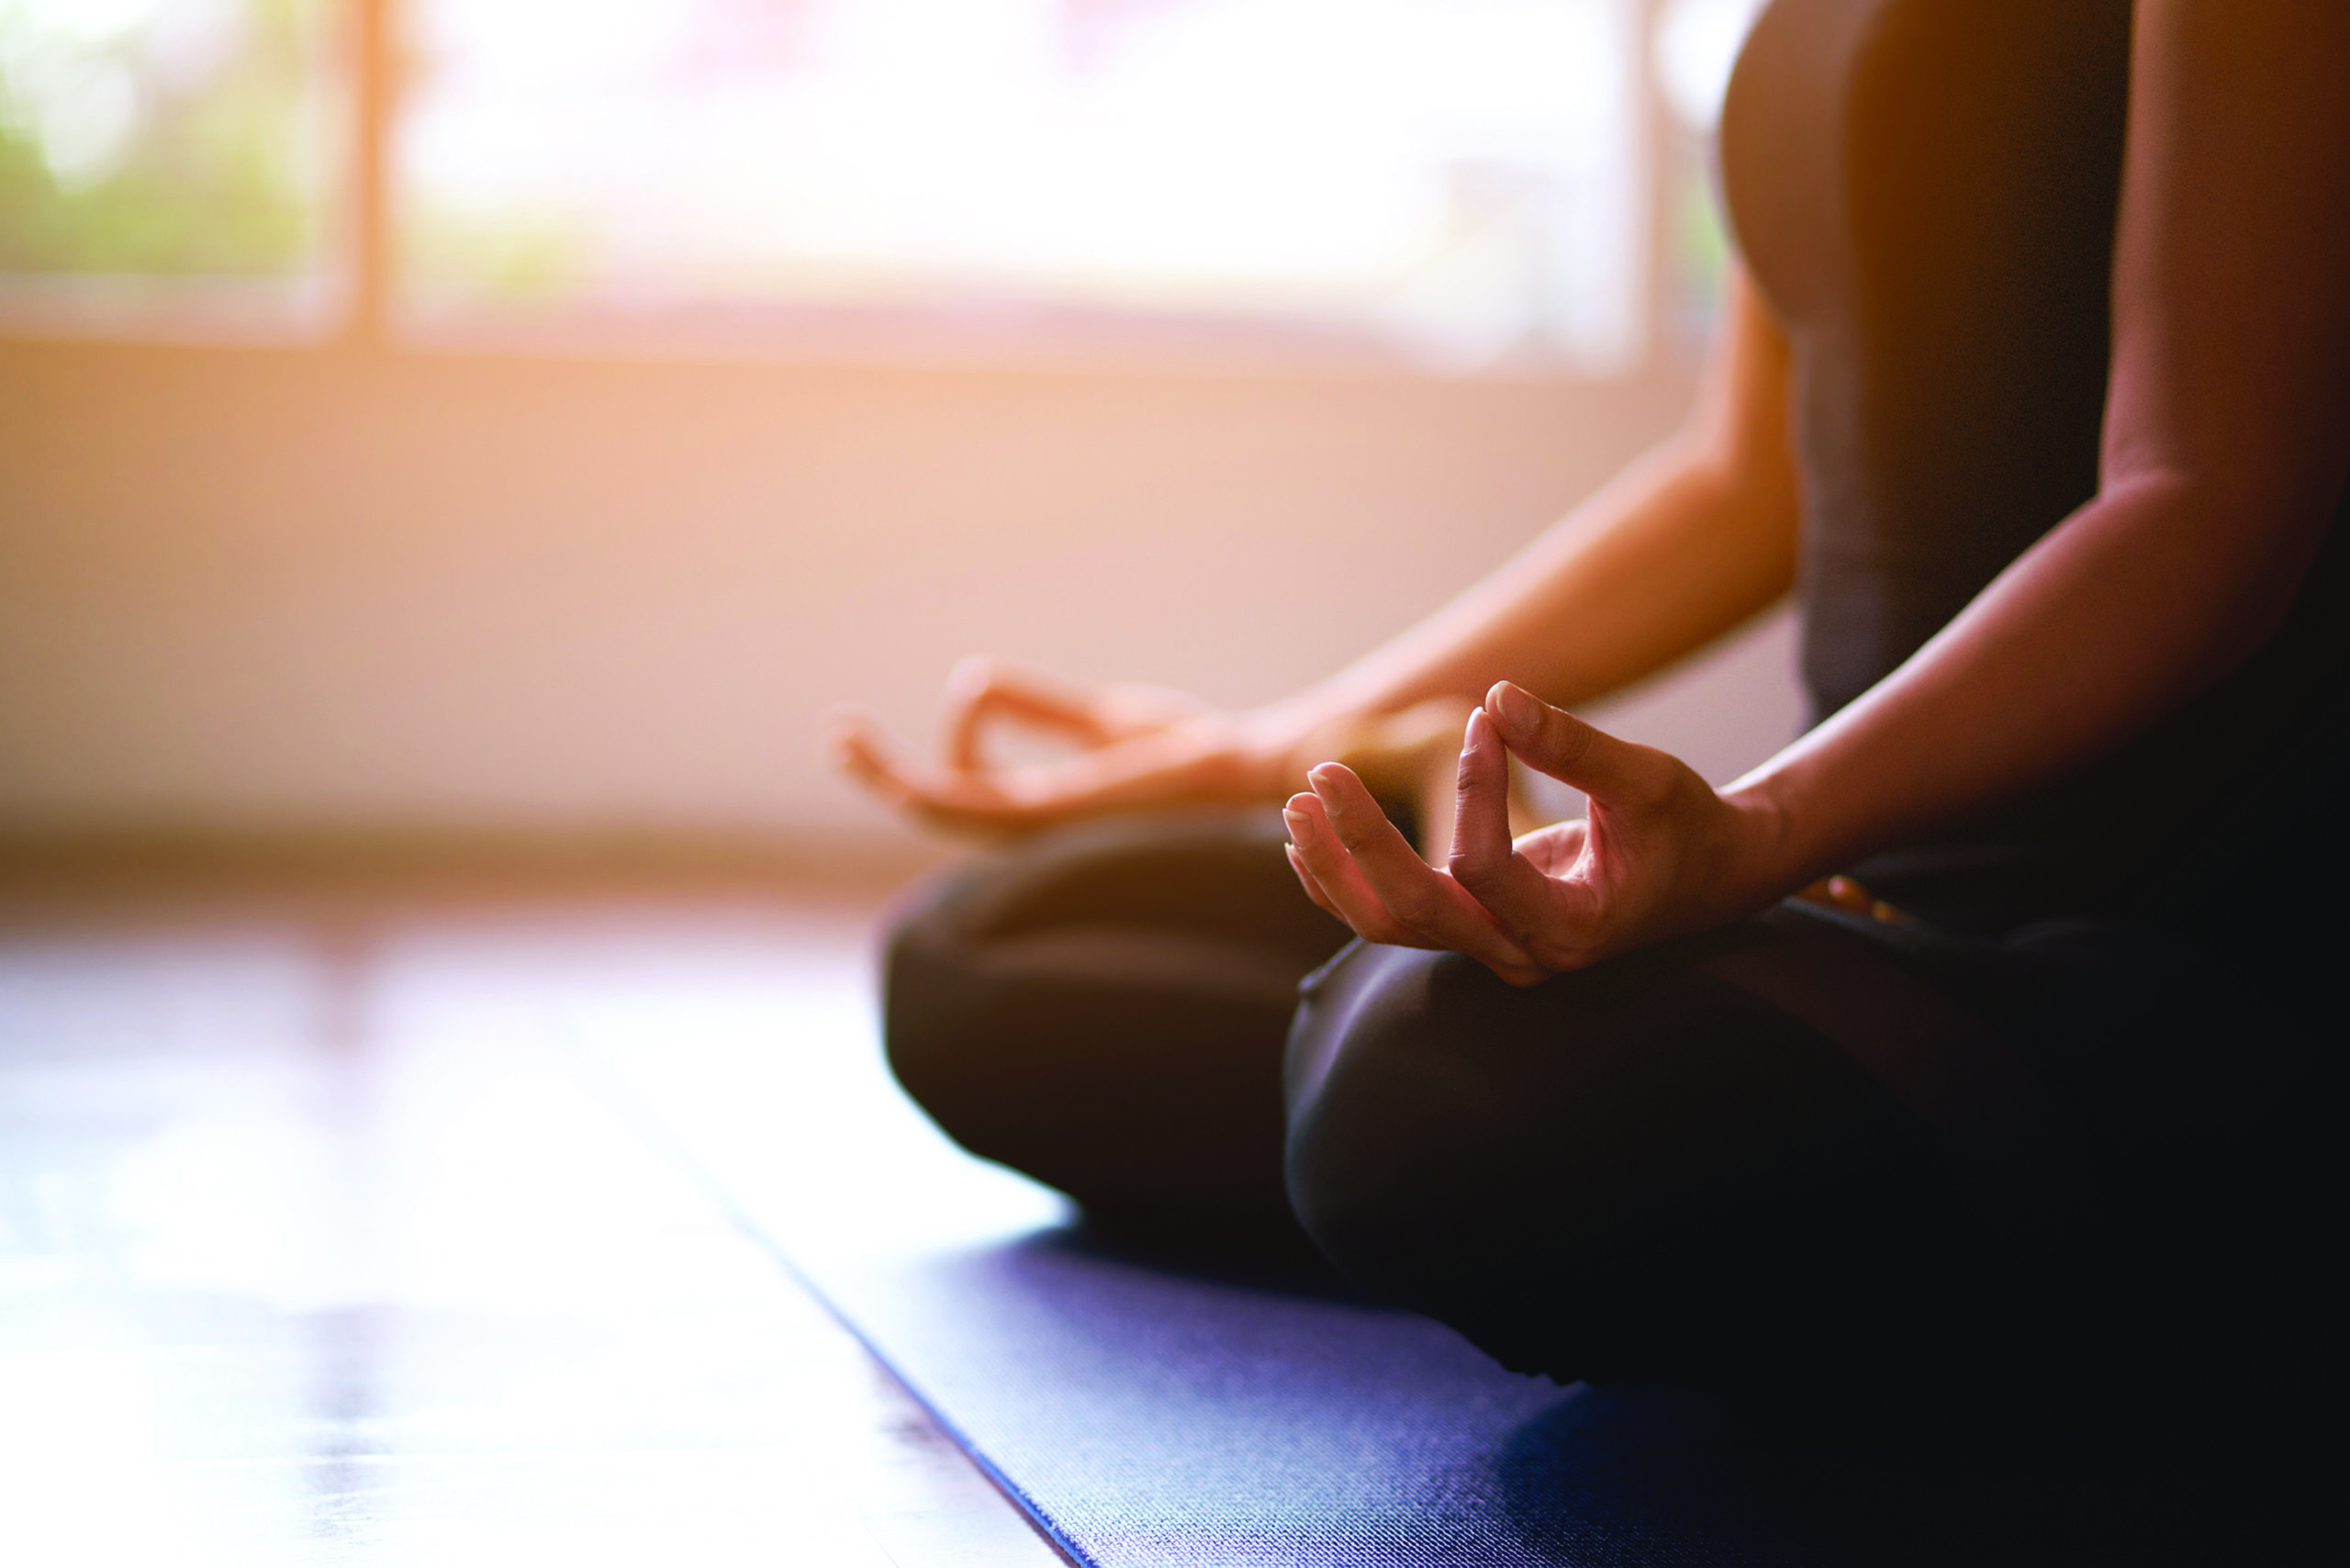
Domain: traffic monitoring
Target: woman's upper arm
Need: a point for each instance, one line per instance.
(2231, 374)
(1741, 420)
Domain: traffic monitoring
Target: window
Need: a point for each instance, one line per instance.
(166, 160)
(1696, 44)
(1449, 179)
(1463, 184)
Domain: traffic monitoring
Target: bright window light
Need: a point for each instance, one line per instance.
(1695, 48)
(1454, 182)
(1696, 44)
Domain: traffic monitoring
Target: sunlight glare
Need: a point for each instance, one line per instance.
(1458, 172)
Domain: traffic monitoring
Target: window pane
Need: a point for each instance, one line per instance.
(160, 152)
(1697, 45)
(1454, 179)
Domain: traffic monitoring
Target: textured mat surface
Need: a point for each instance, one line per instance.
(1152, 1418)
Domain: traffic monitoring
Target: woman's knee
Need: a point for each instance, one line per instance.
(1402, 1160)
(1062, 935)
(931, 1034)
(921, 943)
(1576, 1176)
(1426, 1096)
(1050, 1012)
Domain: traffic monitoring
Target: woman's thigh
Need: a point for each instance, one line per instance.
(1774, 1155)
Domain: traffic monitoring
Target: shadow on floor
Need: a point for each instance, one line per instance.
(1691, 1482)
(1650, 1475)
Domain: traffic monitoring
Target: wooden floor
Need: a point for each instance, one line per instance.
(320, 1243)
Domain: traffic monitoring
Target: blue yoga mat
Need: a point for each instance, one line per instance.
(1150, 1417)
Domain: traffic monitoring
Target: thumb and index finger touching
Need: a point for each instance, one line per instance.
(979, 689)
(1552, 916)
(964, 789)
(1554, 742)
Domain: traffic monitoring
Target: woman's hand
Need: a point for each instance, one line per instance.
(1660, 854)
(1133, 748)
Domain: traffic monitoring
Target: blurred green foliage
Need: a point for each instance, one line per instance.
(1701, 254)
(191, 152)
(513, 257)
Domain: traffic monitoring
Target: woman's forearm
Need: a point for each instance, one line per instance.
(1684, 544)
(2149, 594)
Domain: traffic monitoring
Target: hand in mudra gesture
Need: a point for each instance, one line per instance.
(1662, 852)
(1131, 747)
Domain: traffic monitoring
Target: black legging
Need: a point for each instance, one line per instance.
(1808, 1152)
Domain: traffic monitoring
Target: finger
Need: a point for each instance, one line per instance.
(1424, 900)
(1312, 888)
(1554, 850)
(1315, 848)
(1483, 854)
(979, 690)
(1534, 910)
(859, 750)
(1012, 801)
(955, 800)
(1553, 741)
(1406, 885)
(1148, 770)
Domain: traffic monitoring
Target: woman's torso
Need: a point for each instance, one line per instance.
(1926, 192)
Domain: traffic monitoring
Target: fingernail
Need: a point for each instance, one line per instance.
(1300, 824)
(1323, 777)
(1518, 707)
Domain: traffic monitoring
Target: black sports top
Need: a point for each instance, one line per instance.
(1925, 192)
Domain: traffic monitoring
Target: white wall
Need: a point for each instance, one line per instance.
(246, 589)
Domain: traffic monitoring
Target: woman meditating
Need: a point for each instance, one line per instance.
(2035, 388)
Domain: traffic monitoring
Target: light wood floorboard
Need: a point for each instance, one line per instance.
(318, 1247)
